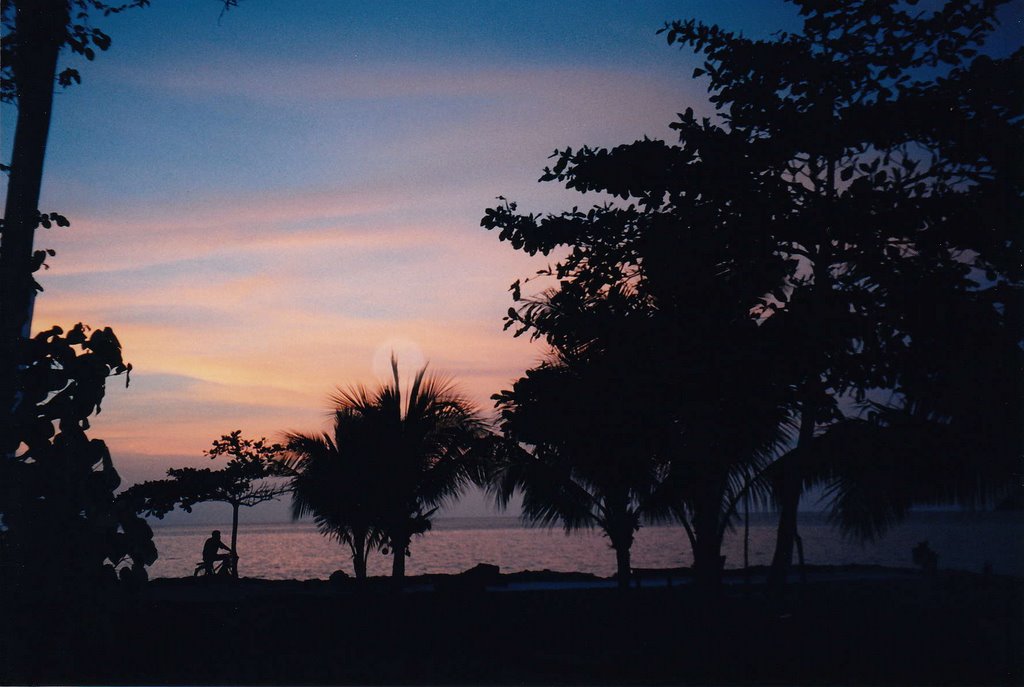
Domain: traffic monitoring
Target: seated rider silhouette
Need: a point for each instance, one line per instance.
(211, 551)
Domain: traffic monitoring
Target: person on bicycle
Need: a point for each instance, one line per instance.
(211, 551)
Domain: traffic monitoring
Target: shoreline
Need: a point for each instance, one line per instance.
(642, 577)
(281, 551)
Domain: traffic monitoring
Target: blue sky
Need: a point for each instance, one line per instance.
(265, 203)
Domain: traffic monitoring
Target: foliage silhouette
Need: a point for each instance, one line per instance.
(412, 452)
(253, 475)
(593, 460)
(72, 368)
(782, 249)
(34, 33)
(640, 418)
(334, 481)
(684, 258)
(953, 433)
(901, 147)
(64, 527)
(51, 377)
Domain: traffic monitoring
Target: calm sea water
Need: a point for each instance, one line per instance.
(964, 541)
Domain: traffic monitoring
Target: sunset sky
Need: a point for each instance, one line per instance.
(265, 203)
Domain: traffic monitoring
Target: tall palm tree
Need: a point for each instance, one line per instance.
(394, 460)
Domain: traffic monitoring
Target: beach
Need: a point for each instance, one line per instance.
(852, 625)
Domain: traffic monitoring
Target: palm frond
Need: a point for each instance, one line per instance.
(396, 456)
(552, 493)
(874, 470)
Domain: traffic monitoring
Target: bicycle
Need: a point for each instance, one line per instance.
(222, 567)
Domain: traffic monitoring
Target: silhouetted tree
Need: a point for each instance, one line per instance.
(684, 252)
(901, 148)
(594, 441)
(840, 175)
(253, 475)
(72, 367)
(34, 34)
(640, 418)
(62, 524)
(414, 451)
(952, 434)
(335, 481)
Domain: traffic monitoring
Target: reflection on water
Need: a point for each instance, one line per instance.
(964, 541)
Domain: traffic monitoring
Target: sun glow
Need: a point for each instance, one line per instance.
(407, 352)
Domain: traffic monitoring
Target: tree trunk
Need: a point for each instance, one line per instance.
(790, 489)
(623, 569)
(746, 539)
(789, 502)
(620, 528)
(800, 557)
(707, 552)
(357, 545)
(791, 485)
(707, 559)
(619, 524)
(359, 561)
(398, 550)
(39, 29)
(234, 538)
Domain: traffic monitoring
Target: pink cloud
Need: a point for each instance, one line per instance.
(264, 301)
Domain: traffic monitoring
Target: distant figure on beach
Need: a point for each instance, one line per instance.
(211, 551)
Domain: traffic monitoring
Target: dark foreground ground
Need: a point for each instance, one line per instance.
(871, 628)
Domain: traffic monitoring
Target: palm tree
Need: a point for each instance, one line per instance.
(593, 459)
(394, 460)
(332, 479)
(949, 433)
(641, 414)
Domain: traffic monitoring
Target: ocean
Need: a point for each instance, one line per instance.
(962, 540)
